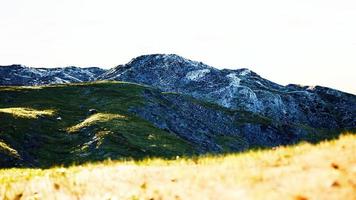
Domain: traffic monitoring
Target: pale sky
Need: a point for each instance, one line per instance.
(309, 42)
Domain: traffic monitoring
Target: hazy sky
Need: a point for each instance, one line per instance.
(310, 42)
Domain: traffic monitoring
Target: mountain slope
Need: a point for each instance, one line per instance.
(61, 124)
(241, 89)
(22, 75)
(64, 124)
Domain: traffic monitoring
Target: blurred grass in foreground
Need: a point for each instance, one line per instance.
(305, 171)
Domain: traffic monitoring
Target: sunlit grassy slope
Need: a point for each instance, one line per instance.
(323, 171)
(26, 112)
(46, 126)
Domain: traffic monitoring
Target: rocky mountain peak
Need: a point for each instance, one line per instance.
(170, 61)
(239, 89)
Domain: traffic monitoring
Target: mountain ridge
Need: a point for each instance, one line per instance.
(240, 89)
(107, 71)
(20, 75)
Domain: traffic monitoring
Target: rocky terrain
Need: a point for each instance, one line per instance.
(172, 106)
(241, 89)
(21, 75)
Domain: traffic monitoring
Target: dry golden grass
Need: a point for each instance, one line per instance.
(27, 112)
(305, 171)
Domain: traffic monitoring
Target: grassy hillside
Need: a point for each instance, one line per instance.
(323, 171)
(46, 126)
(76, 123)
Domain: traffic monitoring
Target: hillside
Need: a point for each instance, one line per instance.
(76, 123)
(47, 126)
(298, 172)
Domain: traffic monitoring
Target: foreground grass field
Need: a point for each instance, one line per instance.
(323, 171)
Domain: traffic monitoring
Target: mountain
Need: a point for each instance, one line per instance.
(22, 75)
(241, 89)
(166, 106)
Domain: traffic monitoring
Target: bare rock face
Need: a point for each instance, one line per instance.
(19, 75)
(204, 125)
(241, 89)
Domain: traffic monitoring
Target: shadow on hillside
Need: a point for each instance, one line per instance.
(7, 161)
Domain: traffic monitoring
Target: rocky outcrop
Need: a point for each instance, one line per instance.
(19, 75)
(205, 124)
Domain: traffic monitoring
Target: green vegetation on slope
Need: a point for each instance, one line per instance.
(51, 125)
(303, 171)
(76, 123)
